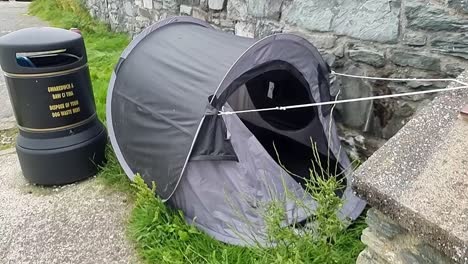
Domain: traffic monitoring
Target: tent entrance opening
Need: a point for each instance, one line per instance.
(275, 130)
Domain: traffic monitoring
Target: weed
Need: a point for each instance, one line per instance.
(163, 236)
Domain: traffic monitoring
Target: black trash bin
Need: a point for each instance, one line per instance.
(60, 137)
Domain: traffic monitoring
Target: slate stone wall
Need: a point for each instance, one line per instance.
(389, 243)
(390, 38)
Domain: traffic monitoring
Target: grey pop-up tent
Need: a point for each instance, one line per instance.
(162, 112)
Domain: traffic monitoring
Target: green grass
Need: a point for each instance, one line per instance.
(161, 234)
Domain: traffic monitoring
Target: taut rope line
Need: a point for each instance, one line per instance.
(377, 97)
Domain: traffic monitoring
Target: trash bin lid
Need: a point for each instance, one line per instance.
(24, 44)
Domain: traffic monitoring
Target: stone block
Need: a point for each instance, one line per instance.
(367, 55)
(460, 5)
(157, 5)
(396, 88)
(266, 28)
(216, 4)
(148, 4)
(421, 15)
(98, 9)
(371, 240)
(228, 30)
(270, 9)
(382, 225)
(226, 23)
(405, 109)
(172, 5)
(424, 61)
(199, 13)
(369, 257)
(245, 29)
(374, 20)
(355, 114)
(330, 59)
(167, 14)
(237, 9)
(451, 44)
(185, 10)
(455, 69)
(405, 249)
(430, 255)
(189, 2)
(414, 39)
(310, 15)
(319, 40)
(339, 50)
(128, 9)
(393, 126)
(407, 256)
(145, 13)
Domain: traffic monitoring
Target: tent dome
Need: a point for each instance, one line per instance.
(162, 114)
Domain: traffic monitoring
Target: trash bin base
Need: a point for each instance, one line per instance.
(63, 165)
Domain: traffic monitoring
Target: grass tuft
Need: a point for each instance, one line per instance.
(163, 236)
(112, 174)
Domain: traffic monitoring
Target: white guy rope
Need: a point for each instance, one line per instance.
(397, 79)
(377, 97)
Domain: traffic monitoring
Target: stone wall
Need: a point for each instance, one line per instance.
(390, 38)
(389, 243)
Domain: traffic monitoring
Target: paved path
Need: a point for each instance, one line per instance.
(79, 223)
(13, 16)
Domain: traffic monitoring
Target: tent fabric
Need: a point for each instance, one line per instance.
(184, 78)
(162, 106)
(226, 201)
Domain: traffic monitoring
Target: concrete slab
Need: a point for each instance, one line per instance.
(13, 16)
(80, 223)
(420, 176)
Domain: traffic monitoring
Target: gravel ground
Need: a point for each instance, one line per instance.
(13, 16)
(78, 223)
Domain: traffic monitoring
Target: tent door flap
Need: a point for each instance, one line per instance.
(214, 141)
